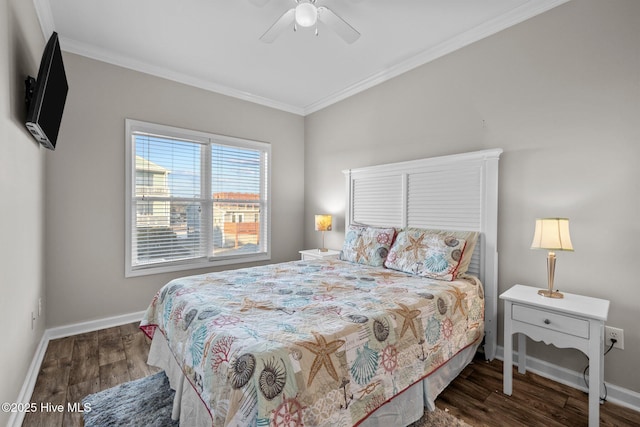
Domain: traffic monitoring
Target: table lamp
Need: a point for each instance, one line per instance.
(323, 223)
(551, 234)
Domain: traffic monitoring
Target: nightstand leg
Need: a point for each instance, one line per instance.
(522, 353)
(596, 371)
(507, 374)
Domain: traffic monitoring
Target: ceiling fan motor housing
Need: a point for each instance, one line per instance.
(306, 14)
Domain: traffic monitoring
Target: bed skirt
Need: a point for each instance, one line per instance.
(402, 410)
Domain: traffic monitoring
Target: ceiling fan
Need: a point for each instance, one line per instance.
(307, 14)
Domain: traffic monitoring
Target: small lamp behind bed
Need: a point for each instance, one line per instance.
(323, 223)
(552, 234)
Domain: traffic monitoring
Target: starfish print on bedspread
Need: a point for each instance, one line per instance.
(408, 316)
(248, 304)
(323, 351)
(460, 296)
(331, 286)
(279, 271)
(386, 275)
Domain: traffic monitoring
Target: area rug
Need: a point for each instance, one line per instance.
(148, 402)
(439, 418)
(144, 402)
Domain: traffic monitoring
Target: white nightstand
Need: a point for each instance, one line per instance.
(310, 254)
(572, 322)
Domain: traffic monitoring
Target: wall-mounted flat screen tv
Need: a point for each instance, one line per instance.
(46, 95)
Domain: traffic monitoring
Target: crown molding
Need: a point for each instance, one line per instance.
(79, 48)
(45, 17)
(515, 16)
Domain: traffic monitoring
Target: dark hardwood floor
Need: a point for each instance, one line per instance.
(476, 397)
(76, 366)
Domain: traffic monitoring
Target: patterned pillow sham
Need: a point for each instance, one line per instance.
(433, 255)
(470, 237)
(367, 245)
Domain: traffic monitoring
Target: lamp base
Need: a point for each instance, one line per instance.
(550, 294)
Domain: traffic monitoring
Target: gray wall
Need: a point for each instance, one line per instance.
(85, 182)
(21, 200)
(560, 93)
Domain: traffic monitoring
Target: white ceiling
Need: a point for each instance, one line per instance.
(214, 44)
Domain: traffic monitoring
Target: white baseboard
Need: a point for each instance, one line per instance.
(16, 418)
(92, 325)
(26, 391)
(615, 394)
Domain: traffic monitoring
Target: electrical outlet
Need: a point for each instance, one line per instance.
(33, 321)
(616, 334)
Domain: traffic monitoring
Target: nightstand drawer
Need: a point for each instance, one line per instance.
(552, 321)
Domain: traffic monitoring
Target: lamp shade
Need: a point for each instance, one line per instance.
(323, 222)
(552, 234)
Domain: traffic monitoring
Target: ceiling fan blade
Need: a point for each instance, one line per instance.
(259, 3)
(337, 24)
(278, 27)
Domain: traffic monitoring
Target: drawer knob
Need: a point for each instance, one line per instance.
(547, 321)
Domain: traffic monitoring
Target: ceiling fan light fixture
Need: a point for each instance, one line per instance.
(306, 14)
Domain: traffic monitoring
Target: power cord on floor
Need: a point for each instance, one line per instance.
(586, 369)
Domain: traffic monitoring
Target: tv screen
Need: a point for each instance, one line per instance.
(46, 95)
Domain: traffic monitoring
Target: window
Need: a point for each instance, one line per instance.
(194, 199)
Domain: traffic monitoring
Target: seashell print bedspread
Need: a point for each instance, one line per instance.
(320, 343)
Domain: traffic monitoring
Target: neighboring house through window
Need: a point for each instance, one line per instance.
(194, 199)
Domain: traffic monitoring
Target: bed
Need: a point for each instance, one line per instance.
(369, 339)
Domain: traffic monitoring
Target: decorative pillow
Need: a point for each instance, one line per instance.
(470, 237)
(367, 245)
(427, 254)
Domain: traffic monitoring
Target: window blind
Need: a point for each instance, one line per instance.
(194, 199)
(168, 200)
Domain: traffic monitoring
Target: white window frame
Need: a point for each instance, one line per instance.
(207, 139)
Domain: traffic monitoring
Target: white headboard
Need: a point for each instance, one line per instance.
(456, 192)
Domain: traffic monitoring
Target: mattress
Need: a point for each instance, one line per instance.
(319, 343)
